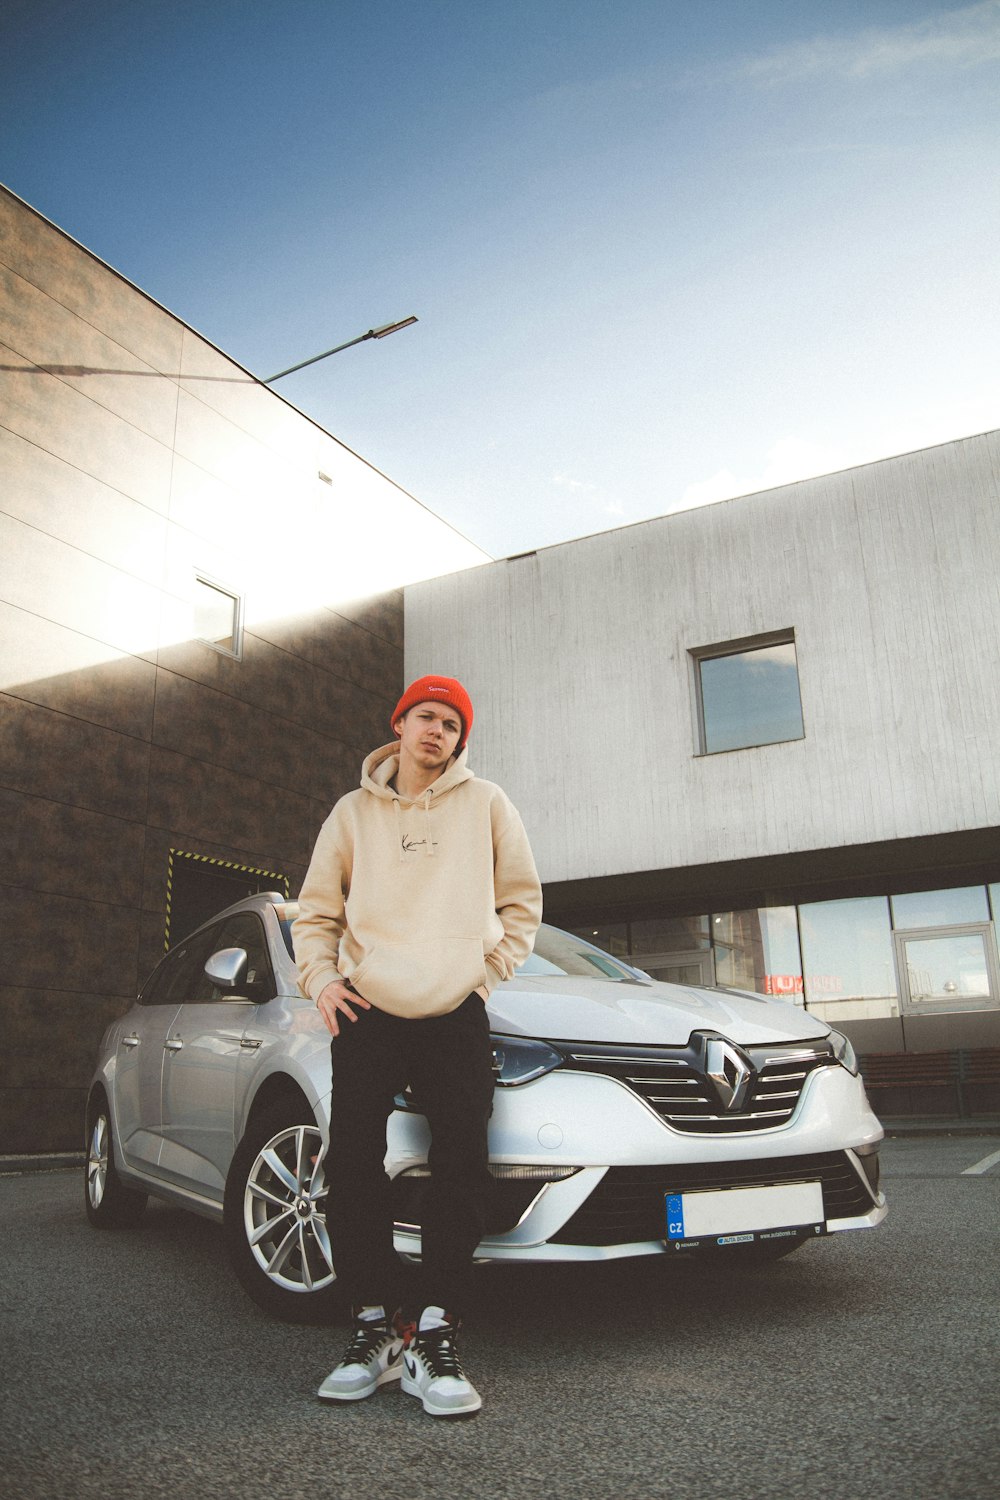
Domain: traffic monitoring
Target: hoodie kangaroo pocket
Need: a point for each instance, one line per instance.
(423, 978)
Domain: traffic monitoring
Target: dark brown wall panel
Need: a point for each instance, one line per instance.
(134, 455)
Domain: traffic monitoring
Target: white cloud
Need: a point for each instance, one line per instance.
(791, 459)
(597, 499)
(575, 486)
(942, 422)
(787, 460)
(959, 38)
(722, 485)
(772, 656)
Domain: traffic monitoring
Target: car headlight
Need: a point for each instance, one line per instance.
(843, 1051)
(517, 1060)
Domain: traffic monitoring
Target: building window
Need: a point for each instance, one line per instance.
(658, 935)
(677, 949)
(867, 958)
(218, 616)
(847, 958)
(759, 950)
(747, 693)
(947, 969)
(611, 936)
(948, 908)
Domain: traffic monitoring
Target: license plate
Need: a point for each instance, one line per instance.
(739, 1215)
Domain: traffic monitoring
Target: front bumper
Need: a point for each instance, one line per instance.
(628, 1159)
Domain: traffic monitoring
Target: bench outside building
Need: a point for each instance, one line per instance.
(964, 1082)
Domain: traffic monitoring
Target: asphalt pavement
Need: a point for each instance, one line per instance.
(864, 1364)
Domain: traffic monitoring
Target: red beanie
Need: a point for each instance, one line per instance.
(437, 690)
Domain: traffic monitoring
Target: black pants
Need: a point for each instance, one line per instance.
(447, 1062)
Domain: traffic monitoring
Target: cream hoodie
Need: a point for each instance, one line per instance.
(418, 903)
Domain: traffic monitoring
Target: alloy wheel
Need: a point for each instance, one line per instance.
(284, 1211)
(97, 1162)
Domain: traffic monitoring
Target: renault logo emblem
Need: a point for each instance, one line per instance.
(729, 1071)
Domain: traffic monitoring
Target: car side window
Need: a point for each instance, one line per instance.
(175, 979)
(246, 930)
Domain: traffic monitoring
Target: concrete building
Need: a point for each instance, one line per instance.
(200, 636)
(756, 743)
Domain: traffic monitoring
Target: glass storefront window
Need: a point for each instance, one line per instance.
(611, 936)
(950, 908)
(759, 950)
(835, 957)
(669, 935)
(847, 958)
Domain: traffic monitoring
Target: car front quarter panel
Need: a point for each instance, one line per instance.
(286, 1037)
(105, 1067)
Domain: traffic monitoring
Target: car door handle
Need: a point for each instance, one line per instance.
(251, 1043)
(173, 1045)
(130, 1041)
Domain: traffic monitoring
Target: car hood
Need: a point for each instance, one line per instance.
(649, 1015)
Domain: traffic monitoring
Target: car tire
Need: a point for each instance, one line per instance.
(109, 1203)
(274, 1219)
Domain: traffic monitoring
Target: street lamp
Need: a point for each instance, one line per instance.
(373, 333)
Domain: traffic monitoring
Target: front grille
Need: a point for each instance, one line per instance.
(672, 1081)
(627, 1205)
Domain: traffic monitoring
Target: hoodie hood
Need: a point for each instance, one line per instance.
(381, 766)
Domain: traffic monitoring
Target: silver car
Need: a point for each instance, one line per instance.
(630, 1117)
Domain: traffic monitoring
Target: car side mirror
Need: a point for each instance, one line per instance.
(227, 969)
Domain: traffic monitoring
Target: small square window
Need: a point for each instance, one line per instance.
(747, 693)
(218, 616)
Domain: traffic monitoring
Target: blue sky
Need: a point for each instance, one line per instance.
(660, 253)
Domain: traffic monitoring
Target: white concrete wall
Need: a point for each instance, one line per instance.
(577, 662)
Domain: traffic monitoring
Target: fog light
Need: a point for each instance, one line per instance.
(515, 1171)
(511, 1172)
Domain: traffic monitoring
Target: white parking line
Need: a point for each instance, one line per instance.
(983, 1166)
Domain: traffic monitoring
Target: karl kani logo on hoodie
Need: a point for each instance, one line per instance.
(410, 845)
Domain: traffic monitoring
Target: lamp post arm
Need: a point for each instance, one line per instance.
(373, 333)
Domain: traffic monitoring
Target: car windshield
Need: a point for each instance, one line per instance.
(286, 914)
(555, 953)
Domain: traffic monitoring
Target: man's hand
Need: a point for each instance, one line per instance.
(337, 1000)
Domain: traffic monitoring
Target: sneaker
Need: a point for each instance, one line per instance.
(373, 1358)
(433, 1371)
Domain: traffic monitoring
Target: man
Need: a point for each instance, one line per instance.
(421, 895)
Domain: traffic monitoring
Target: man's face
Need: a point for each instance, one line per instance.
(429, 733)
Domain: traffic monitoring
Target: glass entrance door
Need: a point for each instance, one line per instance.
(947, 969)
(678, 968)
